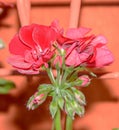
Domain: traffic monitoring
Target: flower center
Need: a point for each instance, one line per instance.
(37, 52)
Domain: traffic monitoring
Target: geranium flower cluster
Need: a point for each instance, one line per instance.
(37, 47)
(33, 46)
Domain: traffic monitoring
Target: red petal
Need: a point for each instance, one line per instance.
(44, 36)
(16, 46)
(25, 35)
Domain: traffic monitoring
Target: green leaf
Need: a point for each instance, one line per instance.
(6, 86)
(115, 129)
(53, 108)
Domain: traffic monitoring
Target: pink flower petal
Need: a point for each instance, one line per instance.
(75, 59)
(18, 62)
(99, 40)
(29, 71)
(103, 57)
(74, 33)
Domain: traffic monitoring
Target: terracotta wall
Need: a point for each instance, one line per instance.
(102, 110)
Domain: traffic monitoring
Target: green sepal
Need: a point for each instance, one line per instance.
(74, 75)
(61, 102)
(53, 107)
(76, 82)
(69, 70)
(45, 87)
(67, 94)
(66, 85)
(91, 73)
(78, 109)
(69, 109)
(79, 96)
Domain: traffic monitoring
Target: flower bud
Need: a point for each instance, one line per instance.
(36, 100)
(85, 79)
(62, 51)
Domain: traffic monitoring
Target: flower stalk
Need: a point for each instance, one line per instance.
(57, 121)
(69, 123)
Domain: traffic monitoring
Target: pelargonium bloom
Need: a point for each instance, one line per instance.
(90, 51)
(31, 48)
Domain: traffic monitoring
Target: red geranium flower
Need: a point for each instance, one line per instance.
(31, 48)
(84, 50)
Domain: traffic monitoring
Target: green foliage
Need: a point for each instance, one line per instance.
(6, 86)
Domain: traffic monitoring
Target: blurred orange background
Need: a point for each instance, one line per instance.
(102, 110)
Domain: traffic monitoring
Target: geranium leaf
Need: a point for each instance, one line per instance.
(6, 86)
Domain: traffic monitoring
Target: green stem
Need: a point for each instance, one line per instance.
(50, 75)
(57, 120)
(69, 123)
(53, 126)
